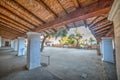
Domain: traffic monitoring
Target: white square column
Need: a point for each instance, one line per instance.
(107, 49)
(16, 45)
(12, 44)
(33, 50)
(0, 41)
(21, 46)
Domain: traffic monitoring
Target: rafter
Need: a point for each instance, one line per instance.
(14, 8)
(110, 32)
(93, 20)
(9, 29)
(13, 24)
(62, 6)
(100, 30)
(79, 14)
(46, 7)
(12, 27)
(104, 19)
(26, 10)
(76, 3)
(102, 33)
(12, 32)
(16, 16)
(13, 21)
(102, 26)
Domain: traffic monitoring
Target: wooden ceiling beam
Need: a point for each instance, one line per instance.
(8, 33)
(9, 30)
(13, 24)
(54, 30)
(79, 14)
(102, 33)
(111, 31)
(3, 10)
(100, 30)
(12, 32)
(13, 21)
(93, 20)
(41, 2)
(6, 36)
(18, 10)
(76, 3)
(28, 11)
(12, 27)
(102, 26)
(104, 19)
(62, 6)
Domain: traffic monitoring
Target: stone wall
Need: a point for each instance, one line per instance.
(115, 17)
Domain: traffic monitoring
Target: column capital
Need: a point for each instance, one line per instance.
(33, 33)
(106, 38)
(20, 37)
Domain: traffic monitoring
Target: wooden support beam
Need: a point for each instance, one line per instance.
(12, 32)
(16, 17)
(54, 30)
(93, 20)
(102, 29)
(41, 2)
(2, 16)
(102, 26)
(62, 6)
(7, 33)
(13, 24)
(76, 3)
(79, 14)
(9, 30)
(111, 31)
(19, 11)
(92, 32)
(104, 19)
(12, 27)
(102, 33)
(28, 11)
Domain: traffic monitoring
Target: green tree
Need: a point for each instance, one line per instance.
(77, 36)
(56, 34)
(91, 40)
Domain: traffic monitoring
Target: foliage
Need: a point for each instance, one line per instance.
(91, 40)
(77, 36)
(61, 33)
(67, 40)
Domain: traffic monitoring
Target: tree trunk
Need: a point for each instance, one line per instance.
(77, 45)
(42, 44)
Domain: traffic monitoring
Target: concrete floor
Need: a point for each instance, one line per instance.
(65, 64)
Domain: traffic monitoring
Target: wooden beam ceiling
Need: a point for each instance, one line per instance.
(19, 19)
(79, 14)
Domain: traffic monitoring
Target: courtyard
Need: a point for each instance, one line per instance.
(65, 64)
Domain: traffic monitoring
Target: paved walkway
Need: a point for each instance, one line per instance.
(74, 64)
(65, 64)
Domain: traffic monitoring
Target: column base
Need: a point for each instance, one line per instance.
(107, 61)
(29, 68)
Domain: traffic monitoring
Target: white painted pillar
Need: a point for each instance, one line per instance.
(107, 49)
(33, 50)
(12, 44)
(21, 46)
(0, 41)
(16, 45)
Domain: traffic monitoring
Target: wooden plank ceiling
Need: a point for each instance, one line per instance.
(46, 16)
